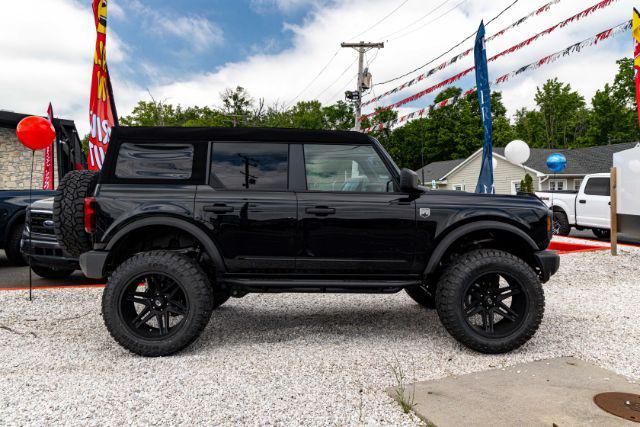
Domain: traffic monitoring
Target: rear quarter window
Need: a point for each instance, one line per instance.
(155, 161)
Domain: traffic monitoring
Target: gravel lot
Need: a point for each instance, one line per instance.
(289, 359)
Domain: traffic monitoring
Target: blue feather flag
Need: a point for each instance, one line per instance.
(485, 180)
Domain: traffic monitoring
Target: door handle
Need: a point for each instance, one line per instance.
(218, 209)
(320, 211)
(583, 202)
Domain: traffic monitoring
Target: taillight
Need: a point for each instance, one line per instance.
(90, 214)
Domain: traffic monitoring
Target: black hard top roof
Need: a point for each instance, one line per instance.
(152, 134)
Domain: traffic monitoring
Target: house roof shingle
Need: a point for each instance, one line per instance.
(580, 161)
(437, 170)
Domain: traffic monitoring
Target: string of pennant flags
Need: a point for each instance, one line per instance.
(583, 14)
(573, 49)
(456, 58)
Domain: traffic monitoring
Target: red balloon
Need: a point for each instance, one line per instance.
(35, 133)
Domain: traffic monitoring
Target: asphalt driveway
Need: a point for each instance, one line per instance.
(18, 277)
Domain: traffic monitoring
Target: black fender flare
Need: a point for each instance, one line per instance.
(454, 235)
(186, 226)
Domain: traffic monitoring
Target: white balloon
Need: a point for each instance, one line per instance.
(517, 152)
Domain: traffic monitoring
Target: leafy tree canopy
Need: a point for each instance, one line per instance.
(561, 119)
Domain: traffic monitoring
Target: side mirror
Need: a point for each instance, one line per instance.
(409, 181)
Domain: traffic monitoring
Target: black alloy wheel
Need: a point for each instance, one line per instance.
(494, 305)
(157, 303)
(490, 300)
(154, 305)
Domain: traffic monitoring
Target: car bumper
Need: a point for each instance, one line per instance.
(92, 264)
(45, 251)
(548, 263)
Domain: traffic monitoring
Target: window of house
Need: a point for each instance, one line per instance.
(346, 168)
(246, 166)
(598, 187)
(515, 187)
(557, 184)
(458, 187)
(155, 161)
(576, 184)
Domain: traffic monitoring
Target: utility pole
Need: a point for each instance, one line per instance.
(356, 96)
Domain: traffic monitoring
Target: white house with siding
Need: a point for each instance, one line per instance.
(462, 174)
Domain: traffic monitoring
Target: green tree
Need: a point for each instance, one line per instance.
(561, 120)
(613, 117)
(526, 185)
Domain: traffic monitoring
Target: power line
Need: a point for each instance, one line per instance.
(341, 90)
(457, 6)
(381, 20)
(314, 79)
(416, 21)
(337, 79)
(450, 49)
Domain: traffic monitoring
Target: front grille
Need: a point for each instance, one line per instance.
(38, 225)
(48, 252)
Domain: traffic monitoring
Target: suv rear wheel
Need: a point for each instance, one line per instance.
(490, 300)
(157, 303)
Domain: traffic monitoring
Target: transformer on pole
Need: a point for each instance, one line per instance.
(364, 77)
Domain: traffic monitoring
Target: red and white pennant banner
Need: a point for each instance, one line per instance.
(599, 6)
(576, 48)
(456, 58)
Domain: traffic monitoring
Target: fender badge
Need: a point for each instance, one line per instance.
(425, 212)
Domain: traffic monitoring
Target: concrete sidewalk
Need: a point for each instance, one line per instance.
(545, 393)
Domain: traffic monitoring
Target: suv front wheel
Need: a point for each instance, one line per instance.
(490, 300)
(157, 303)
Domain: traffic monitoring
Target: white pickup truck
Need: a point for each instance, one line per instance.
(587, 208)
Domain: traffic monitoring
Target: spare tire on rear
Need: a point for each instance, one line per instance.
(68, 211)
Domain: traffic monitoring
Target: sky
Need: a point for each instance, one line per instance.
(282, 51)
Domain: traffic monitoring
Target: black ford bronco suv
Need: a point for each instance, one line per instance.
(181, 219)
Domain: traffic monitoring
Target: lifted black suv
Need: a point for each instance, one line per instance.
(181, 219)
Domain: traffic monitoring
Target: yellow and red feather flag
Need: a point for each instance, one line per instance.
(102, 113)
(636, 63)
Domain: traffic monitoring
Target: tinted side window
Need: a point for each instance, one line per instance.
(247, 166)
(598, 187)
(155, 161)
(346, 168)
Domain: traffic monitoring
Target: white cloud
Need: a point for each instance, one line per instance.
(281, 76)
(49, 56)
(46, 49)
(197, 31)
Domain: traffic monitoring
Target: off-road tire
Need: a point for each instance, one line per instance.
(424, 297)
(561, 225)
(183, 270)
(68, 211)
(601, 233)
(12, 248)
(50, 273)
(466, 268)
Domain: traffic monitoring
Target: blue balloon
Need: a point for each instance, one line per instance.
(556, 162)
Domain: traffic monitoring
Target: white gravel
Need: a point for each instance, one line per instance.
(289, 359)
